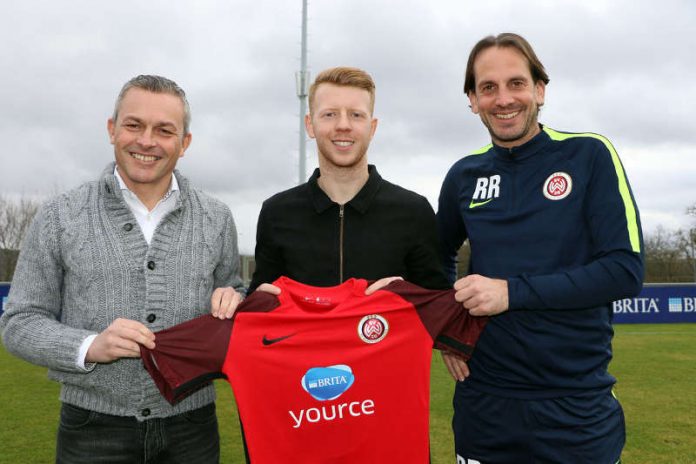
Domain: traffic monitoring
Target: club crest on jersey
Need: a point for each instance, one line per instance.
(558, 186)
(328, 383)
(373, 328)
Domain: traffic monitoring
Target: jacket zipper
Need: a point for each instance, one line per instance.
(340, 244)
(514, 201)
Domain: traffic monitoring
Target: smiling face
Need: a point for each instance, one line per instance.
(505, 96)
(341, 121)
(148, 139)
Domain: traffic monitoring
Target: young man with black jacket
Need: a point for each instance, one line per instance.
(346, 221)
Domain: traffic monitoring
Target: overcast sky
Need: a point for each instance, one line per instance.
(622, 68)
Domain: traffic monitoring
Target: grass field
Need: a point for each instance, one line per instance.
(655, 365)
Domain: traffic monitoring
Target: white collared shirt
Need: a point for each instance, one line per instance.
(148, 221)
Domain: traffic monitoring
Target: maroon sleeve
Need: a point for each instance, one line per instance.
(187, 356)
(449, 324)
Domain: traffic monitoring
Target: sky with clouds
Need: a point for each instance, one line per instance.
(620, 68)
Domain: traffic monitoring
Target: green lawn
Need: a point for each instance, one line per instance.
(655, 365)
(656, 368)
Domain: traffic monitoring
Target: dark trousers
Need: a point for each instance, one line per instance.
(584, 428)
(91, 437)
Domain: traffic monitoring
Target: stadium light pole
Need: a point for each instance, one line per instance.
(302, 82)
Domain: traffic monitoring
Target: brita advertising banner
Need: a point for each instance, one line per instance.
(658, 303)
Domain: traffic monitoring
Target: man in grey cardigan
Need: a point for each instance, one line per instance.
(109, 263)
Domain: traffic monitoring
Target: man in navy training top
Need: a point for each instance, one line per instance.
(555, 237)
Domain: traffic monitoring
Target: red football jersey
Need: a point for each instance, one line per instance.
(323, 374)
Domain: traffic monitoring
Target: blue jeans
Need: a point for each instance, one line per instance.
(91, 437)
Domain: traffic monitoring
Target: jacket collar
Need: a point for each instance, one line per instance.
(360, 202)
(526, 150)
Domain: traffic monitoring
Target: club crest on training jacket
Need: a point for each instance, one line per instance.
(558, 186)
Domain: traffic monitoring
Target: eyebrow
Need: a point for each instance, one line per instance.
(339, 108)
(157, 124)
(513, 78)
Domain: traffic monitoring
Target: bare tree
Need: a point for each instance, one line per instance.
(15, 218)
(668, 256)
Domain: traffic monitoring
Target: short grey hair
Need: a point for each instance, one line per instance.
(156, 84)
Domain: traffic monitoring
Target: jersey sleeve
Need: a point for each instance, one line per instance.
(188, 356)
(616, 270)
(449, 324)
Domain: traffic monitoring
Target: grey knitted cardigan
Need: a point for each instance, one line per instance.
(85, 263)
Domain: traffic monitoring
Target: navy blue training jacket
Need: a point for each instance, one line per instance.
(556, 218)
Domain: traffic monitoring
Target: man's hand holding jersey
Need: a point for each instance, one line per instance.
(224, 302)
(122, 339)
(482, 296)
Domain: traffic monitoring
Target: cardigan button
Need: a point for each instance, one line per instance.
(151, 265)
(145, 412)
(128, 227)
(151, 318)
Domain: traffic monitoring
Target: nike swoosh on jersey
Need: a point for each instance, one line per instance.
(474, 204)
(271, 341)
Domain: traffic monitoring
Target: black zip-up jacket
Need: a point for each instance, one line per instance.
(385, 230)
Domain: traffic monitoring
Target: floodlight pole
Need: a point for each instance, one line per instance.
(302, 82)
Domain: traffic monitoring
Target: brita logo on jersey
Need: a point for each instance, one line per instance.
(328, 383)
(325, 384)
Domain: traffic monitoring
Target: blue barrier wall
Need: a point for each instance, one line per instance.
(4, 290)
(655, 303)
(658, 303)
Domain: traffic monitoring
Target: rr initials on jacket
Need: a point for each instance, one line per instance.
(487, 188)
